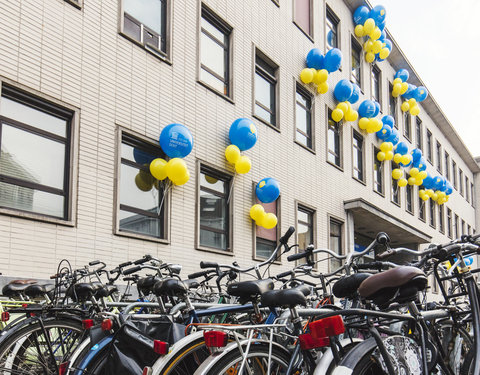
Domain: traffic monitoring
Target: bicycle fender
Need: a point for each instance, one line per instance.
(327, 357)
(348, 363)
(95, 350)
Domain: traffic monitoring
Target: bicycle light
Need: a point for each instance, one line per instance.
(87, 323)
(62, 369)
(107, 325)
(5, 316)
(308, 342)
(327, 327)
(160, 347)
(215, 339)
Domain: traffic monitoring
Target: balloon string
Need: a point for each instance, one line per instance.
(165, 192)
(231, 187)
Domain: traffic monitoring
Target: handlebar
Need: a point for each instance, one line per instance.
(146, 258)
(284, 239)
(132, 270)
(199, 274)
(204, 264)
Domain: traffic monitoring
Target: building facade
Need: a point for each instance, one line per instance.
(87, 86)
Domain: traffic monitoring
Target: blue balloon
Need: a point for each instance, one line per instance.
(333, 60)
(405, 165)
(388, 120)
(402, 148)
(422, 164)
(437, 182)
(428, 182)
(389, 44)
(367, 109)
(355, 95)
(243, 133)
(267, 190)
(315, 59)
(378, 13)
(416, 156)
(381, 25)
(383, 36)
(449, 188)
(410, 91)
(176, 140)
(394, 137)
(330, 38)
(343, 90)
(420, 94)
(142, 157)
(377, 109)
(360, 15)
(384, 132)
(444, 184)
(402, 74)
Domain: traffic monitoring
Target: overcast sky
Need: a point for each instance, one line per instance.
(441, 39)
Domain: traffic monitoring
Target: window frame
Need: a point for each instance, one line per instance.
(441, 219)
(299, 89)
(438, 148)
(447, 165)
(341, 223)
(50, 105)
(394, 188)
(331, 17)
(76, 3)
(419, 134)
(381, 172)
(409, 194)
(310, 210)
(432, 214)
(430, 146)
(376, 74)
(449, 223)
(422, 211)
(467, 188)
(363, 152)
(472, 194)
(309, 34)
(339, 132)
(392, 103)
(460, 182)
(454, 175)
(457, 226)
(202, 165)
(356, 47)
(407, 126)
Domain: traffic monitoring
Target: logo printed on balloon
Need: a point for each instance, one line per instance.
(267, 190)
(176, 140)
(243, 133)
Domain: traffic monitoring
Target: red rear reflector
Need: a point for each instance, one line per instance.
(87, 323)
(24, 305)
(160, 347)
(62, 369)
(215, 339)
(327, 327)
(5, 316)
(147, 371)
(308, 342)
(107, 325)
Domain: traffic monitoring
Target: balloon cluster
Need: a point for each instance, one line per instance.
(319, 66)
(436, 188)
(411, 93)
(243, 135)
(176, 142)
(267, 191)
(371, 23)
(388, 133)
(367, 111)
(346, 93)
(386, 151)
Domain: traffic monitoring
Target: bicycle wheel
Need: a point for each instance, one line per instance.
(33, 349)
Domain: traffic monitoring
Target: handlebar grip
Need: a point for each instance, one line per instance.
(115, 270)
(145, 259)
(382, 238)
(284, 239)
(94, 263)
(386, 254)
(284, 274)
(122, 265)
(372, 266)
(297, 256)
(132, 270)
(198, 274)
(204, 265)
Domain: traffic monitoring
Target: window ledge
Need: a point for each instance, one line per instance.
(210, 88)
(141, 237)
(422, 219)
(215, 251)
(258, 259)
(410, 212)
(36, 217)
(150, 50)
(266, 123)
(339, 167)
(276, 2)
(304, 32)
(395, 203)
(379, 193)
(76, 4)
(360, 181)
(305, 147)
(433, 226)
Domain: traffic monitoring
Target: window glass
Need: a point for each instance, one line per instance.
(265, 86)
(303, 119)
(304, 227)
(419, 135)
(449, 222)
(421, 208)
(439, 157)
(392, 104)
(302, 15)
(377, 172)
(358, 156)
(148, 12)
(356, 63)
(334, 145)
(395, 187)
(408, 126)
(409, 198)
(266, 239)
(332, 30)
(432, 213)
(376, 84)
(429, 146)
(335, 243)
(441, 219)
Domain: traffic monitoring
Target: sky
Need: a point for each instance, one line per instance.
(441, 39)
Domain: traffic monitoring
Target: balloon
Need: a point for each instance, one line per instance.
(401, 148)
(355, 95)
(415, 110)
(369, 25)
(182, 180)
(405, 106)
(369, 57)
(315, 59)
(360, 15)
(343, 106)
(322, 88)
(409, 93)
(449, 189)
(351, 116)
(429, 192)
(210, 179)
(367, 109)
(142, 181)
(422, 164)
(416, 156)
(378, 13)
(377, 109)
(320, 76)
(397, 173)
(243, 133)
(435, 196)
(402, 74)
(388, 43)
(257, 212)
(421, 175)
(377, 46)
(412, 102)
(306, 75)
(267, 190)
(243, 164)
(383, 36)
(397, 87)
(386, 146)
(402, 182)
(359, 32)
(388, 120)
(142, 157)
(406, 160)
(176, 169)
(428, 181)
(404, 88)
(389, 155)
(368, 46)
(343, 90)
(420, 94)
(333, 60)
(380, 156)
(425, 198)
(394, 137)
(232, 154)
(269, 221)
(375, 35)
(411, 180)
(397, 158)
(414, 172)
(337, 115)
(397, 80)
(384, 132)
(176, 140)
(363, 123)
(158, 169)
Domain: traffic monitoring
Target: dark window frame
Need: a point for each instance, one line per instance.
(439, 157)
(419, 133)
(429, 146)
(312, 212)
(308, 97)
(376, 76)
(447, 166)
(454, 175)
(76, 3)
(272, 78)
(409, 203)
(357, 50)
(472, 194)
(460, 181)
(432, 214)
(338, 134)
(441, 219)
(341, 224)
(449, 223)
(407, 126)
(392, 104)
(395, 196)
(360, 170)
(380, 165)
(422, 212)
(457, 226)
(331, 17)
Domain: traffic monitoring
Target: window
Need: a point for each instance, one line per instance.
(335, 243)
(463, 228)
(266, 239)
(215, 52)
(214, 209)
(265, 89)
(429, 147)
(303, 16)
(77, 3)
(469, 230)
(472, 194)
(332, 29)
(377, 173)
(358, 146)
(395, 187)
(421, 209)
(441, 219)
(409, 198)
(407, 131)
(334, 141)
(432, 213)
(392, 104)
(303, 118)
(35, 155)
(447, 166)
(305, 220)
(454, 173)
(419, 134)
(142, 199)
(439, 157)
(145, 21)
(449, 222)
(356, 75)
(457, 228)
(467, 189)
(376, 83)
(460, 180)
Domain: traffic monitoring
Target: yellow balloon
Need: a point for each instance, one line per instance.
(351, 115)
(337, 115)
(375, 34)
(397, 173)
(414, 172)
(182, 180)
(343, 106)
(397, 80)
(415, 110)
(269, 221)
(389, 155)
(369, 57)
(429, 192)
(210, 179)
(232, 154)
(421, 192)
(380, 156)
(402, 182)
(158, 168)
(447, 198)
(422, 175)
(176, 169)
(384, 53)
(418, 181)
(142, 182)
(386, 146)
(412, 102)
(406, 159)
(405, 106)
(397, 158)
(257, 212)
(369, 26)
(411, 180)
(377, 47)
(306, 75)
(243, 165)
(363, 123)
(425, 198)
(434, 197)
(371, 125)
(320, 76)
(368, 45)
(404, 88)
(397, 87)
(359, 31)
(322, 88)
(378, 126)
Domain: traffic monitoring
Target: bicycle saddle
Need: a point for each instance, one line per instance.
(169, 287)
(39, 290)
(106, 290)
(284, 297)
(15, 287)
(249, 290)
(145, 284)
(191, 283)
(348, 285)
